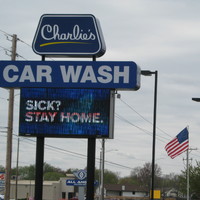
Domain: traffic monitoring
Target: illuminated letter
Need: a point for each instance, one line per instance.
(40, 106)
(77, 116)
(104, 72)
(52, 116)
(63, 117)
(44, 117)
(50, 105)
(88, 75)
(96, 118)
(29, 117)
(6, 73)
(71, 73)
(44, 71)
(29, 105)
(27, 74)
(124, 74)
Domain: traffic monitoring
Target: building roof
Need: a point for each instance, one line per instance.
(124, 187)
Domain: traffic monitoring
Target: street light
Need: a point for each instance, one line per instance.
(196, 99)
(102, 164)
(188, 183)
(149, 73)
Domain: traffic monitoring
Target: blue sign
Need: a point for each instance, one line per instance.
(83, 183)
(123, 75)
(72, 113)
(81, 174)
(69, 35)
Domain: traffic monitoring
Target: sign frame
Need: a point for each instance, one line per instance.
(36, 120)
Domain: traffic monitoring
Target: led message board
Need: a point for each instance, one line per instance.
(57, 112)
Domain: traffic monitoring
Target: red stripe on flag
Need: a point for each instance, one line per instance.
(181, 149)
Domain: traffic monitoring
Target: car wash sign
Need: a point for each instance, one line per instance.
(70, 74)
(69, 35)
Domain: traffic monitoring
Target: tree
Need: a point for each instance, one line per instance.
(170, 181)
(109, 176)
(28, 172)
(143, 175)
(2, 168)
(71, 170)
(194, 177)
(52, 176)
(128, 180)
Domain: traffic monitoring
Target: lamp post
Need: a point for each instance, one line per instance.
(188, 182)
(102, 165)
(149, 73)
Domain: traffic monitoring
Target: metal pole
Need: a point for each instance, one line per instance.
(17, 167)
(10, 128)
(102, 169)
(90, 168)
(39, 168)
(39, 164)
(154, 134)
(91, 164)
(188, 176)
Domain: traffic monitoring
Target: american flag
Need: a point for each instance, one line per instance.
(179, 144)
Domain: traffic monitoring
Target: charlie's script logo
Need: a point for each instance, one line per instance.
(77, 35)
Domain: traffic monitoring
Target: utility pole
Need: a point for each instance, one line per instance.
(188, 176)
(10, 127)
(102, 169)
(188, 171)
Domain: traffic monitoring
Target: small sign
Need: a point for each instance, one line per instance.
(81, 174)
(2, 180)
(69, 35)
(2, 176)
(80, 183)
(156, 194)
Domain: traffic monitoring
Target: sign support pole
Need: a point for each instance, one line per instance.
(91, 168)
(39, 168)
(39, 165)
(91, 165)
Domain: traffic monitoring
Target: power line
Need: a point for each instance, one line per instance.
(5, 33)
(58, 149)
(145, 119)
(143, 130)
(127, 121)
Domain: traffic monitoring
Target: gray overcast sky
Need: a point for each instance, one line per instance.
(161, 35)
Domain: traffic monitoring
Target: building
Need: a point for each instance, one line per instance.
(113, 190)
(52, 190)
